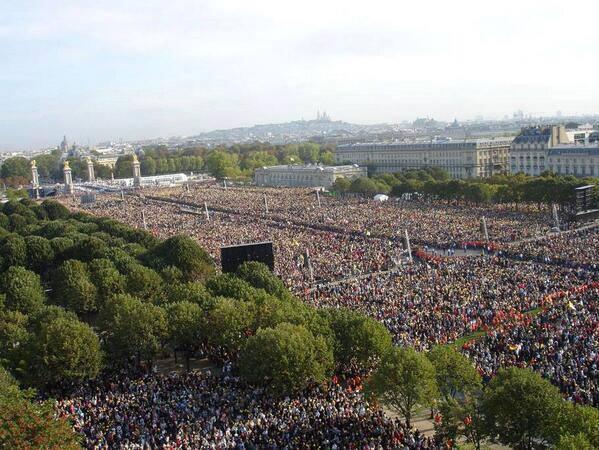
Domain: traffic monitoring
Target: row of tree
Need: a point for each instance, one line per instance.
(235, 161)
(16, 171)
(545, 189)
(517, 408)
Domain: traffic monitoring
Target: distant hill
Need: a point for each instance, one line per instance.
(289, 131)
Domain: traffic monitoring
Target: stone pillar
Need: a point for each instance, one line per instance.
(136, 172)
(68, 179)
(90, 170)
(35, 179)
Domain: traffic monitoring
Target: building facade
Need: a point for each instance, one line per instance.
(572, 159)
(305, 175)
(539, 149)
(461, 159)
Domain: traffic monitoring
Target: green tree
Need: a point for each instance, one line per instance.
(47, 164)
(260, 276)
(462, 417)
(23, 290)
(171, 275)
(193, 292)
(327, 158)
(14, 338)
(455, 373)
(185, 327)
(404, 380)
(133, 328)
(106, 278)
(8, 385)
(144, 283)
(3, 220)
(40, 254)
(574, 442)
(14, 251)
(148, 166)
(575, 419)
(65, 350)
(72, 288)
(228, 323)
(479, 193)
(55, 210)
(358, 339)
(16, 166)
(341, 185)
(17, 223)
(258, 159)
(364, 185)
(220, 164)
(309, 152)
(286, 358)
(124, 167)
(521, 408)
(184, 253)
(228, 285)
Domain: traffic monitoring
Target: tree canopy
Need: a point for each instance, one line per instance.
(285, 358)
(404, 380)
(522, 408)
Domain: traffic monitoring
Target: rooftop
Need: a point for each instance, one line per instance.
(533, 135)
(437, 143)
(571, 149)
(312, 167)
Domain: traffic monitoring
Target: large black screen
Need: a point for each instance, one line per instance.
(234, 255)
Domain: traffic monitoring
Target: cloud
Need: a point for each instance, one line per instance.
(183, 66)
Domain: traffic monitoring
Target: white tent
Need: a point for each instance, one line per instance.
(381, 198)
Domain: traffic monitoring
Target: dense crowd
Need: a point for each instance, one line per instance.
(530, 313)
(427, 304)
(332, 255)
(575, 248)
(561, 342)
(432, 222)
(200, 410)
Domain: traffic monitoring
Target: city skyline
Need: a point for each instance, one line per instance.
(142, 71)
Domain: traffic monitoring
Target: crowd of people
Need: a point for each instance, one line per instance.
(429, 222)
(528, 302)
(202, 410)
(428, 304)
(561, 342)
(332, 255)
(574, 248)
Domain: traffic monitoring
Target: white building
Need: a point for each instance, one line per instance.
(170, 179)
(461, 159)
(538, 149)
(305, 175)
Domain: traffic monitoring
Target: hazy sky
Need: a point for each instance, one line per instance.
(133, 69)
